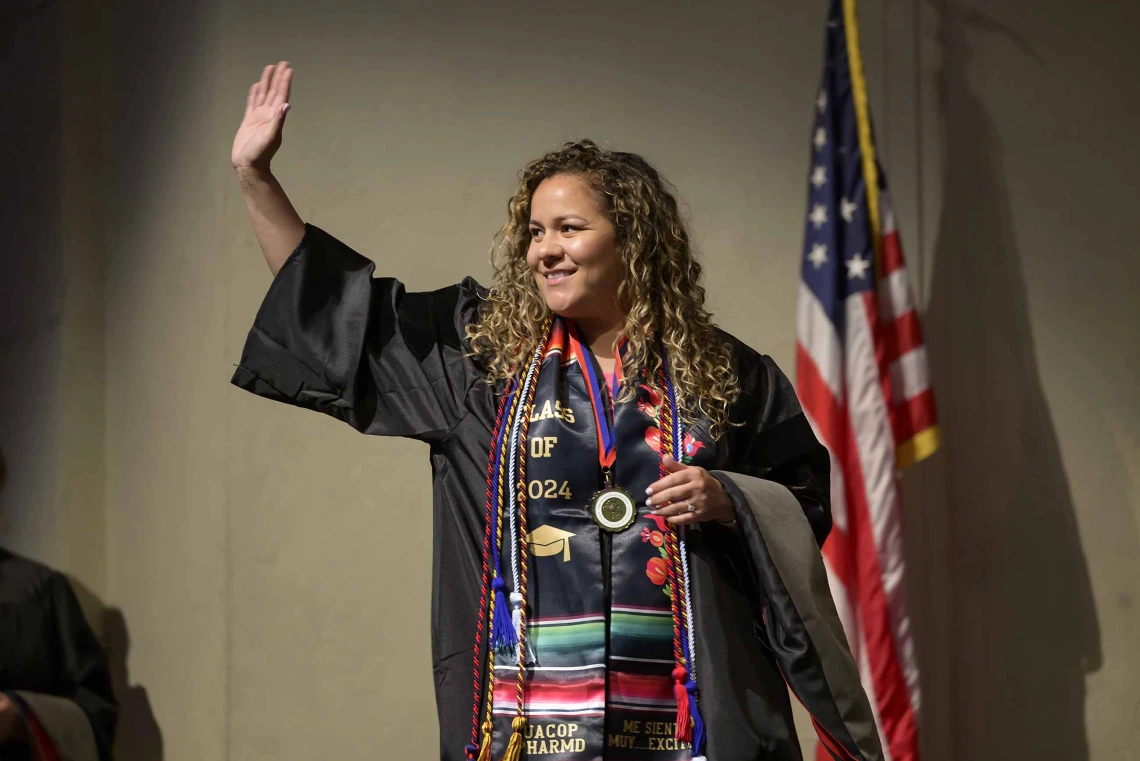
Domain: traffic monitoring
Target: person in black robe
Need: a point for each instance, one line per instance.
(56, 700)
(332, 338)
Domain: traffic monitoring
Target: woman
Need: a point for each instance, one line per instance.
(56, 700)
(612, 594)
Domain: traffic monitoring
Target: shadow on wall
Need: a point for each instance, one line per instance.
(138, 737)
(1022, 629)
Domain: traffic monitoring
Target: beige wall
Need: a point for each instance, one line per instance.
(270, 568)
(51, 298)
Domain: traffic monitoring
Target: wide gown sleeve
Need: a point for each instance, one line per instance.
(332, 338)
(777, 443)
(780, 485)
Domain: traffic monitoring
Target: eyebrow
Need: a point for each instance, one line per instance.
(562, 218)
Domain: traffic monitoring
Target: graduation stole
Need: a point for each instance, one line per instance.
(585, 626)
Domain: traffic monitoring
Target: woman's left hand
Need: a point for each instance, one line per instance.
(688, 494)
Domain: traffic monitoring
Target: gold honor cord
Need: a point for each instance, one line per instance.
(518, 724)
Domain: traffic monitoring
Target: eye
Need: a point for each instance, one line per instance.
(535, 232)
(569, 228)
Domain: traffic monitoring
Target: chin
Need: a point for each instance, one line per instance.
(561, 305)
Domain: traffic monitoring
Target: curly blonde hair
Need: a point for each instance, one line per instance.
(659, 292)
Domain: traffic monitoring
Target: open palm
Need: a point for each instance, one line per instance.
(259, 135)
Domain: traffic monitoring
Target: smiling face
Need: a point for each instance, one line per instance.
(573, 253)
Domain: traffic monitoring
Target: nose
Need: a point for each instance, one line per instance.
(550, 251)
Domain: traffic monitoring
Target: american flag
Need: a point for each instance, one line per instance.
(861, 374)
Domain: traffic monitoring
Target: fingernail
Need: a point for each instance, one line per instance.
(649, 490)
(285, 108)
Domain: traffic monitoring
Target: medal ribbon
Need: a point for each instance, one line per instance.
(606, 450)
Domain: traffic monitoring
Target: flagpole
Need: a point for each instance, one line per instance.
(863, 121)
(920, 160)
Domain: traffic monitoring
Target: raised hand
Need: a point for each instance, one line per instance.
(259, 135)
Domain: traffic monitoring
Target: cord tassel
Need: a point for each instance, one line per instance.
(503, 637)
(485, 748)
(514, 747)
(516, 611)
(683, 730)
(516, 622)
(695, 715)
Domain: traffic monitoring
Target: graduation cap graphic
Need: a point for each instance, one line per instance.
(548, 540)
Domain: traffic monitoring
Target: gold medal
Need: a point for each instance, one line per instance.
(613, 509)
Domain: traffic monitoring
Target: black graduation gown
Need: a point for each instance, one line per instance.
(51, 664)
(332, 338)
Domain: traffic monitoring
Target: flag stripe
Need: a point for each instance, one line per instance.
(894, 295)
(838, 502)
(914, 417)
(892, 245)
(818, 337)
(886, 678)
(875, 445)
(900, 336)
(815, 397)
(909, 376)
(865, 674)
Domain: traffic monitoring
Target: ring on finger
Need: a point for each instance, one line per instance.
(690, 507)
